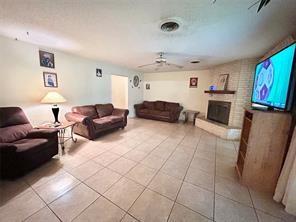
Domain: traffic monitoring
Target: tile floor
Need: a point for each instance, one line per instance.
(151, 171)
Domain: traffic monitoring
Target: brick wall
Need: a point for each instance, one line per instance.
(244, 90)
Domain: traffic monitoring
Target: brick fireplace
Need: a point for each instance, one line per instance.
(228, 109)
(241, 81)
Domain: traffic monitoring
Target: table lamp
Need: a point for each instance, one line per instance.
(54, 98)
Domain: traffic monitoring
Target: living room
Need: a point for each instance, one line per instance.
(146, 111)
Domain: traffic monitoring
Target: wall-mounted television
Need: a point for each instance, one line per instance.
(274, 80)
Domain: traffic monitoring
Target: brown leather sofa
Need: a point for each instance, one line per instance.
(159, 110)
(92, 120)
(23, 148)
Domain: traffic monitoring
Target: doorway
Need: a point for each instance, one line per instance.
(119, 91)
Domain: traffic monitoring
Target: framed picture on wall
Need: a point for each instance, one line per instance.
(50, 79)
(222, 82)
(136, 81)
(46, 59)
(99, 73)
(147, 86)
(193, 82)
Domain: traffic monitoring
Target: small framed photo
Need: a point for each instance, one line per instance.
(46, 59)
(222, 82)
(99, 73)
(193, 82)
(50, 79)
(147, 86)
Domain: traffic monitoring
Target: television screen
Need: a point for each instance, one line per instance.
(272, 79)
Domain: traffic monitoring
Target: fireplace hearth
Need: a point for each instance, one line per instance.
(219, 111)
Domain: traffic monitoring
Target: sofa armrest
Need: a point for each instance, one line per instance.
(139, 106)
(180, 108)
(7, 148)
(42, 133)
(120, 112)
(175, 113)
(78, 118)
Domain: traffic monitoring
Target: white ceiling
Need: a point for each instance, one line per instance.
(126, 32)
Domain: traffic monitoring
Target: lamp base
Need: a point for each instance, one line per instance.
(55, 111)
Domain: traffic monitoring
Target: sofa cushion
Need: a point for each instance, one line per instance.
(34, 145)
(143, 110)
(170, 106)
(102, 122)
(115, 119)
(104, 109)
(160, 113)
(165, 113)
(159, 105)
(10, 116)
(86, 111)
(13, 133)
(148, 105)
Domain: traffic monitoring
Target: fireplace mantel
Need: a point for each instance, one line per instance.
(220, 91)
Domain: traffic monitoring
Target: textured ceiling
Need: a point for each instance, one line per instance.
(126, 32)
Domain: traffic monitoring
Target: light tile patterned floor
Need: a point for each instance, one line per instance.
(150, 171)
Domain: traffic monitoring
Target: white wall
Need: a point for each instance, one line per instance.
(174, 87)
(119, 91)
(21, 80)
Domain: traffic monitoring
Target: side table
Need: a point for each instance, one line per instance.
(187, 112)
(61, 131)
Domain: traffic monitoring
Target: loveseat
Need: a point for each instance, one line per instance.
(159, 110)
(93, 120)
(23, 148)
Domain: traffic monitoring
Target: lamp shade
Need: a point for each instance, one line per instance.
(53, 98)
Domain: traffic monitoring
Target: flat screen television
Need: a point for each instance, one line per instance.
(274, 80)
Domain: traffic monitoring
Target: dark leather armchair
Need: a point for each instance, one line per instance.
(23, 148)
(93, 120)
(159, 110)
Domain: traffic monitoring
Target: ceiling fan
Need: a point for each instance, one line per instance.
(160, 62)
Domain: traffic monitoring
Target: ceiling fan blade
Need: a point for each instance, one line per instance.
(266, 2)
(262, 3)
(255, 3)
(171, 64)
(147, 65)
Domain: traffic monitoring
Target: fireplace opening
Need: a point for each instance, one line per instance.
(219, 111)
